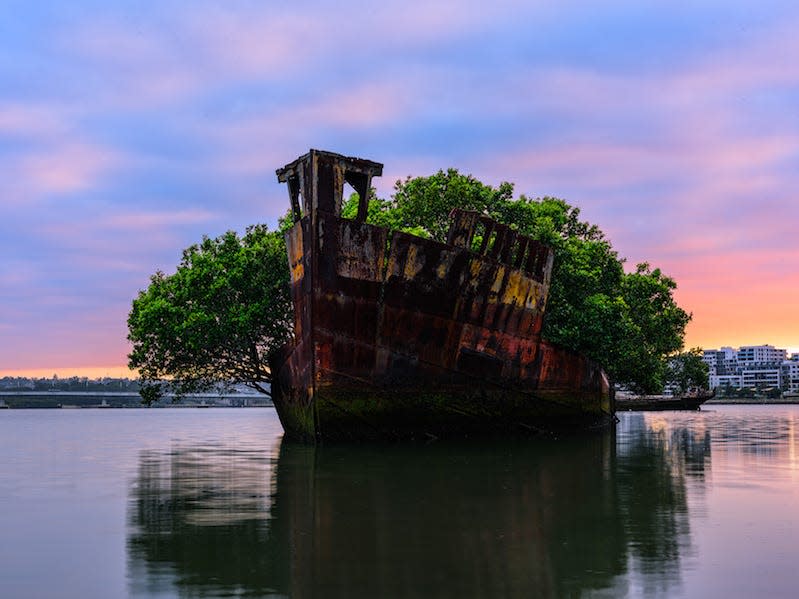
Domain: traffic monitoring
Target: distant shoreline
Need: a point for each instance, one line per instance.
(111, 399)
(751, 401)
(79, 399)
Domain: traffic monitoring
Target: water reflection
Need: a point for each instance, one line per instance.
(199, 521)
(550, 519)
(757, 433)
(654, 462)
(452, 521)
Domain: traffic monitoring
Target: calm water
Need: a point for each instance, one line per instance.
(211, 503)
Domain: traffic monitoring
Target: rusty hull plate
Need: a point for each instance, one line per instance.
(401, 336)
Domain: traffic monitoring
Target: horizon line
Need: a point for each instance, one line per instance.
(70, 371)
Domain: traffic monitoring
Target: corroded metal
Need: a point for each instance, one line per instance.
(399, 336)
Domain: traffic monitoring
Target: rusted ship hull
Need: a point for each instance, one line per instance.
(402, 337)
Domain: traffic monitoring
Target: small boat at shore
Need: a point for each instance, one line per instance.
(663, 402)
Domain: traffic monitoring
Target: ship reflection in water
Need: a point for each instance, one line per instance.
(599, 515)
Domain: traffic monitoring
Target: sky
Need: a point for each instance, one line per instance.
(130, 129)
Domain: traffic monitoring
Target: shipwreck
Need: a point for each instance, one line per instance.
(397, 336)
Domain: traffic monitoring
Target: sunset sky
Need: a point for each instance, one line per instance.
(130, 129)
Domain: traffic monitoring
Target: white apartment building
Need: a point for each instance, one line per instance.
(761, 377)
(790, 370)
(752, 366)
(760, 354)
(734, 381)
(720, 361)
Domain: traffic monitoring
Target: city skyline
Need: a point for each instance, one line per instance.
(127, 134)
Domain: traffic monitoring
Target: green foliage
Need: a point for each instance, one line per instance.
(217, 318)
(658, 326)
(688, 370)
(378, 212)
(423, 204)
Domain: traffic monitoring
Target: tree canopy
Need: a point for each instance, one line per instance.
(227, 306)
(216, 319)
(687, 370)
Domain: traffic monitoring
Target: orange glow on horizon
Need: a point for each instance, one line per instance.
(741, 314)
(92, 372)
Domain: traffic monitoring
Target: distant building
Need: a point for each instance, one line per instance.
(752, 367)
(791, 374)
(722, 361)
(733, 381)
(761, 377)
(760, 354)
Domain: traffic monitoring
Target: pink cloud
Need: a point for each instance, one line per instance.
(260, 41)
(257, 43)
(32, 121)
(703, 91)
(209, 47)
(367, 105)
(720, 164)
(16, 273)
(57, 168)
(256, 145)
(141, 68)
(136, 221)
(69, 167)
(112, 242)
(765, 62)
(697, 122)
(55, 158)
(716, 270)
(441, 20)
